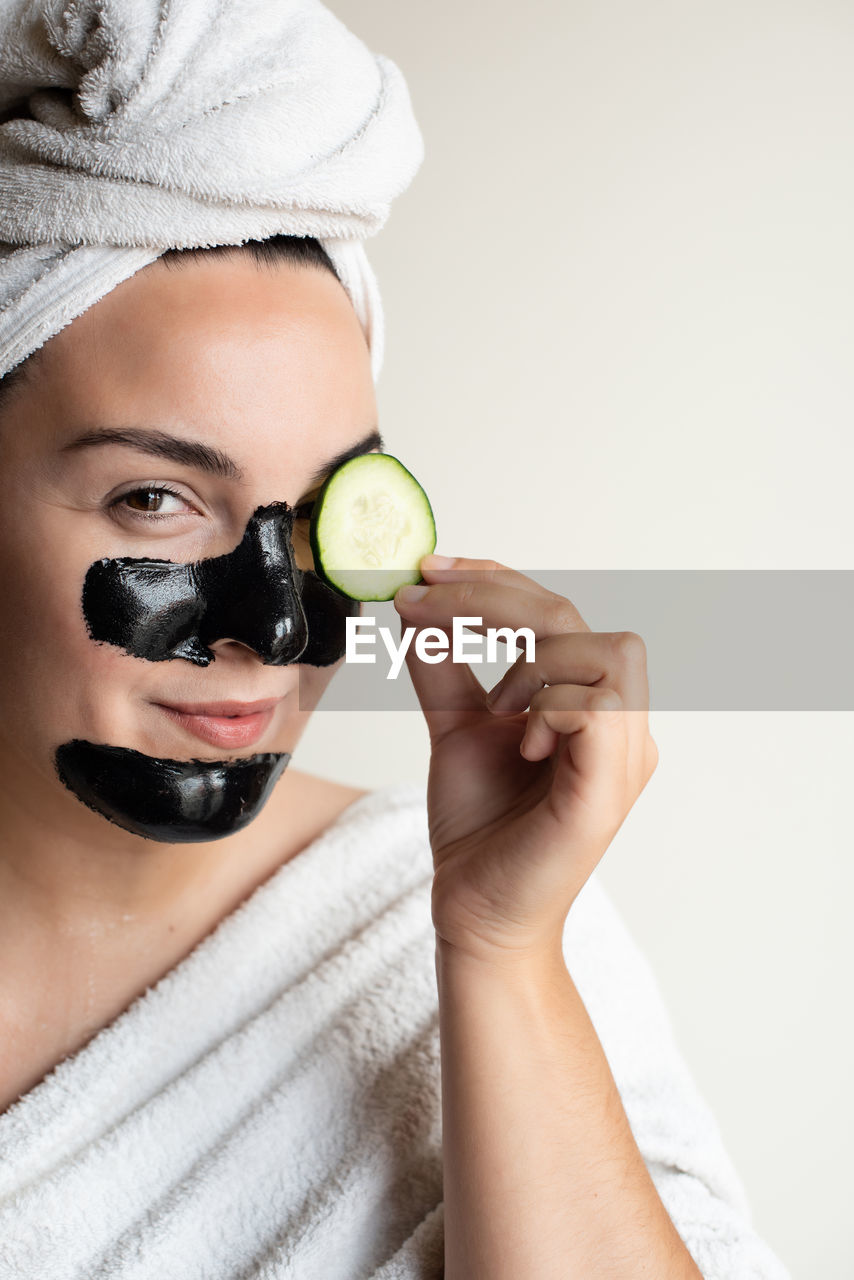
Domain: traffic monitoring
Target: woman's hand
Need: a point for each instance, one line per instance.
(522, 804)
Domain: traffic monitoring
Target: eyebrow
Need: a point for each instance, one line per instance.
(371, 441)
(195, 453)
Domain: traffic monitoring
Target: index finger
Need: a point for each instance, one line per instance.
(462, 569)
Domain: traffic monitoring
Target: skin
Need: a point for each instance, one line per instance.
(527, 788)
(542, 1176)
(269, 365)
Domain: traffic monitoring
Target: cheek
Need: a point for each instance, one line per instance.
(54, 679)
(311, 686)
(41, 622)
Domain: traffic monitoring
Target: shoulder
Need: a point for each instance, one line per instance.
(329, 796)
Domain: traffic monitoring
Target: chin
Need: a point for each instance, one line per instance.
(168, 800)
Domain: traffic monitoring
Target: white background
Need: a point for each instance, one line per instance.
(618, 299)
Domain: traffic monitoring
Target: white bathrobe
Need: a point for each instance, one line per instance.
(271, 1107)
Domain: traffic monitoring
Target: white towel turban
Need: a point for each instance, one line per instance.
(129, 127)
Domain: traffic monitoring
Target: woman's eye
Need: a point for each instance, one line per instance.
(151, 500)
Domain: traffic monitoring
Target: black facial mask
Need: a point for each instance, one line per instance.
(173, 801)
(160, 610)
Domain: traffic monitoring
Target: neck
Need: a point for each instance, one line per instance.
(120, 911)
(87, 925)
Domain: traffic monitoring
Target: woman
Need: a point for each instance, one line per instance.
(255, 1022)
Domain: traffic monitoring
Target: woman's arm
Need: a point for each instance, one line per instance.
(527, 788)
(542, 1177)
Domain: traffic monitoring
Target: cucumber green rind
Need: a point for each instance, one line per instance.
(326, 529)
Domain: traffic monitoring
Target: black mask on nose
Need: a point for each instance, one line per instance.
(160, 610)
(255, 594)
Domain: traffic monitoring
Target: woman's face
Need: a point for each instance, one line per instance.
(236, 388)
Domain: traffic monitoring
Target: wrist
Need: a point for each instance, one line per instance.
(535, 963)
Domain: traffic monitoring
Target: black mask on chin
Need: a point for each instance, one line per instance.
(160, 610)
(173, 801)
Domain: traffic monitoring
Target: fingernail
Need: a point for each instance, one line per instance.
(437, 562)
(409, 595)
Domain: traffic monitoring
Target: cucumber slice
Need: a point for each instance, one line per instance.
(370, 525)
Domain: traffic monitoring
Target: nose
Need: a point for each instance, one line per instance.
(253, 593)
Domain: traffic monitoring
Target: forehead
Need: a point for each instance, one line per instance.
(250, 356)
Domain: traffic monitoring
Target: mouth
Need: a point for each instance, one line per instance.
(223, 724)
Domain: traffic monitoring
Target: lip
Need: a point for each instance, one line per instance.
(230, 708)
(223, 724)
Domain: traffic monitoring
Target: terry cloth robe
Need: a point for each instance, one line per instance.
(270, 1108)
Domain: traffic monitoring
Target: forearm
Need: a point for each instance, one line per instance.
(542, 1177)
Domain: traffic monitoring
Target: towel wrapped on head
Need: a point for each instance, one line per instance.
(130, 129)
